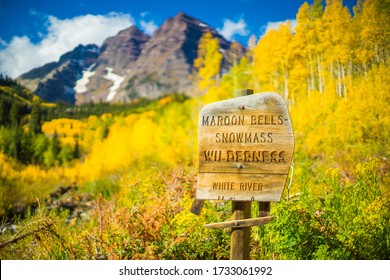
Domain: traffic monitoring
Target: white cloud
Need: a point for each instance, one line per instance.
(21, 55)
(274, 25)
(144, 14)
(3, 43)
(231, 28)
(148, 27)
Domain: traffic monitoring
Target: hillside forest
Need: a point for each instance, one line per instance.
(117, 181)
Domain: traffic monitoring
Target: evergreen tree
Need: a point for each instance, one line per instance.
(4, 112)
(35, 122)
(55, 144)
(26, 153)
(6, 139)
(76, 150)
(40, 146)
(66, 154)
(15, 146)
(15, 114)
(105, 131)
(51, 155)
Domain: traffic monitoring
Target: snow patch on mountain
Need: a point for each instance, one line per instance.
(81, 84)
(116, 79)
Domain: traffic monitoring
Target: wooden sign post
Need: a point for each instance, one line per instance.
(246, 146)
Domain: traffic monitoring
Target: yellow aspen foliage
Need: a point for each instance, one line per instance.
(333, 70)
(371, 28)
(336, 33)
(164, 101)
(305, 73)
(264, 63)
(22, 185)
(176, 126)
(224, 91)
(7, 167)
(208, 62)
(66, 129)
(272, 60)
(129, 139)
(336, 36)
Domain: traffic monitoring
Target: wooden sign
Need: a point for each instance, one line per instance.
(246, 146)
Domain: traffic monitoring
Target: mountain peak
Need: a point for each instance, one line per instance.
(130, 64)
(131, 31)
(184, 16)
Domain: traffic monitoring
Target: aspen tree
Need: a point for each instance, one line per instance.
(336, 39)
(208, 62)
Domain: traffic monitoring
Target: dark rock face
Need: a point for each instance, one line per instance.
(166, 60)
(129, 65)
(117, 55)
(120, 51)
(55, 81)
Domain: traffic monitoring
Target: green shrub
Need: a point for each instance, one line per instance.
(350, 220)
(105, 186)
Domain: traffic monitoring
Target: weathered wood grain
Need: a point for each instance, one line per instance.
(241, 223)
(246, 146)
(240, 236)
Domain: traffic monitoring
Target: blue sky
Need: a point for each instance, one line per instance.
(38, 31)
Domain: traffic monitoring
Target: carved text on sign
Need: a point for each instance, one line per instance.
(245, 148)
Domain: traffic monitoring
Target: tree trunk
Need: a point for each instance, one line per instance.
(320, 79)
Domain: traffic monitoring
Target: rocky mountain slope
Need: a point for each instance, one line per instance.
(55, 81)
(118, 53)
(128, 65)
